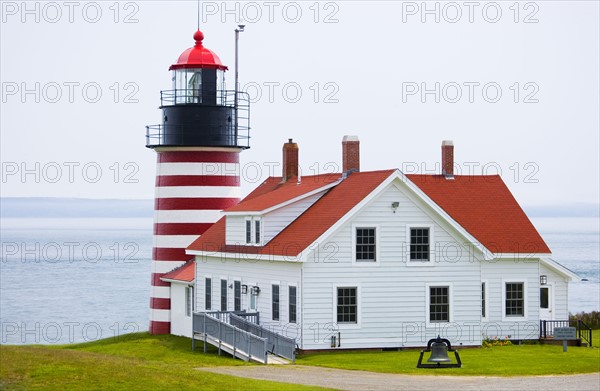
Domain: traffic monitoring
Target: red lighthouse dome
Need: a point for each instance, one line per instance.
(198, 56)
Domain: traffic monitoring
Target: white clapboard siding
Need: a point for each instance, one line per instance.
(272, 222)
(275, 221)
(497, 273)
(392, 302)
(261, 274)
(180, 323)
(560, 293)
(235, 230)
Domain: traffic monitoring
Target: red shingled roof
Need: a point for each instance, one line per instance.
(309, 226)
(486, 208)
(185, 273)
(482, 205)
(272, 192)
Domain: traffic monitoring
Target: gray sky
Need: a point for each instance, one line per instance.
(517, 85)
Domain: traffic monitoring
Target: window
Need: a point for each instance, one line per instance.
(419, 244)
(189, 300)
(275, 301)
(439, 304)
(208, 294)
(248, 231)
(346, 305)
(292, 303)
(257, 231)
(253, 234)
(544, 298)
(223, 295)
(483, 312)
(514, 303)
(252, 299)
(365, 245)
(237, 296)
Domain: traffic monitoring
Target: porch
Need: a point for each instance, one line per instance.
(584, 332)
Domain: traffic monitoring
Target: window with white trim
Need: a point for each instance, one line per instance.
(439, 304)
(253, 230)
(365, 248)
(514, 304)
(208, 294)
(189, 300)
(237, 296)
(275, 301)
(292, 303)
(223, 295)
(420, 244)
(483, 301)
(347, 304)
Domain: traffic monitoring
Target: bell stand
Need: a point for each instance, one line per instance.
(458, 363)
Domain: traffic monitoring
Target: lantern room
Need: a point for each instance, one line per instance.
(199, 111)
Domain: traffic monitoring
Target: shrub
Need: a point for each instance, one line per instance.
(592, 319)
(490, 342)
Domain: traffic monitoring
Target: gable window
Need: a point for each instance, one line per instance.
(292, 304)
(189, 300)
(439, 304)
(248, 231)
(275, 301)
(253, 230)
(514, 299)
(237, 296)
(208, 294)
(419, 244)
(347, 307)
(223, 295)
(365, 245)
(257, 231)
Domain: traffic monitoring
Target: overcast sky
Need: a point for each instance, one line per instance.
(515, 85)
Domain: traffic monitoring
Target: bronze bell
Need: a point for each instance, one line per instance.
(439, 352)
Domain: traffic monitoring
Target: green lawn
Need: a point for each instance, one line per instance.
(141, 361)
(133, 362)
(515, 360)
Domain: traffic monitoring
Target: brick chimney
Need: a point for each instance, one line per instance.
(448, 159)
(290, 160)
(350, 154)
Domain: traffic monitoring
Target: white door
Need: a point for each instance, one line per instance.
(546, 302)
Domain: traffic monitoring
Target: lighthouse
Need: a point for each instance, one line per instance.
(204, 128)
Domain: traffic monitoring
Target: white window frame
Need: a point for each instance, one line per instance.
(525, 298)
(251, 295)
(431, 261)
(211, 293)
(486, 292)
(278, 283)
(449, 285)
(239, 280)
(253, 220)
(189, 300)
(377, 261)
(295, 285)
(347, 326)
(226, 279)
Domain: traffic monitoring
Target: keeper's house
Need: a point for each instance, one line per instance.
(375, 259)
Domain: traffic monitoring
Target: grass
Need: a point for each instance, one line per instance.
(134, 362)
(142, 361)
(514, 360)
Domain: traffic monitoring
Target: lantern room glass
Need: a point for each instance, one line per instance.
(187, 86)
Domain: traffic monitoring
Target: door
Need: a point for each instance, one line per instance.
(546, 302)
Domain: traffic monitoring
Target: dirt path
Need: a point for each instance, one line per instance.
(360, 380)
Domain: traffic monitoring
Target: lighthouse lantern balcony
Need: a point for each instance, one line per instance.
(199, 111)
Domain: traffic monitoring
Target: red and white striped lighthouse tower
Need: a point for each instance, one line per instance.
(204, 129)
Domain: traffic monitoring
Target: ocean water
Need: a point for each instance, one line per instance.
(75, 280)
